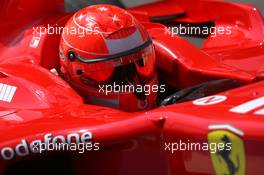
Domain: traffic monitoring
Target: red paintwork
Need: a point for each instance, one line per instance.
(44, 103)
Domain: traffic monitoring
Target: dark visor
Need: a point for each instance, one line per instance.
(110, 57)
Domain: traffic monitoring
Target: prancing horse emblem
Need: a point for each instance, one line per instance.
(228, 161)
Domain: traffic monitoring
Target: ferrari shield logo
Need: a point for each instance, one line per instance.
(229, 157)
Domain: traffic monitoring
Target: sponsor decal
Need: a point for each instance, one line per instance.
(7, 92)
(72, 142)
(228, 161)
(142, 104)
(34, 43)
(250, 106)
(210, 100)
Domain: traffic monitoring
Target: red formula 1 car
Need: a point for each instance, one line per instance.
(210, 121)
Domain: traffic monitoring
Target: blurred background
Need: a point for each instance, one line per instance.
(73, 5)
(77, 4)
(257, 3)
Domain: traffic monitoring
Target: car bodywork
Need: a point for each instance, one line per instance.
(39, 102)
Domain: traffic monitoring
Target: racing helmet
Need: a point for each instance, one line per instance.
(108, 57)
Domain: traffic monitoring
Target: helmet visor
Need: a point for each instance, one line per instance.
(136, 69)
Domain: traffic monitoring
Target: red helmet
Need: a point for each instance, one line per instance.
(107, 56)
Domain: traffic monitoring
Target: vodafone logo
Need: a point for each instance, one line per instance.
(210, 100)
(24, 148)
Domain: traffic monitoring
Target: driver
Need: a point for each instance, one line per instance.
(108, 57)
